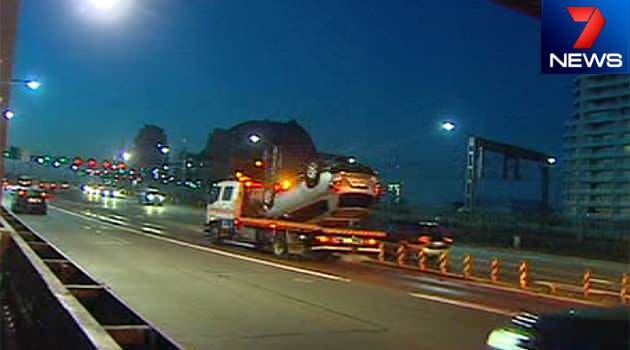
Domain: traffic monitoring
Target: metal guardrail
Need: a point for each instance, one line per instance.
(51, 303)
(509, 275)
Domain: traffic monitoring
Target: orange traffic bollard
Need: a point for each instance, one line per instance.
(401, 254)
(381, 252)
(467, 266)
(523, 275)
(443, 262)
(422, 260)
(586, 283)
(625, 288)
(494, 270)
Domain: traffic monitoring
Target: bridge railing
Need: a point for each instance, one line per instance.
(49, 302)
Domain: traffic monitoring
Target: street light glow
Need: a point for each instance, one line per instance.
(352, 160)
(126, 156)
(33, 84)
(551, 160)
(165, 149)
(448, 125)
(104, 4)
(8, 114)
(253, 138)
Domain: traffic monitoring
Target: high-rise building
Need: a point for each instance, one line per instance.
(597, 146)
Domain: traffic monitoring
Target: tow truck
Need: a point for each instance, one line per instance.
(312, 215)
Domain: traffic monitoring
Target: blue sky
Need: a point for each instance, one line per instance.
(368, 78)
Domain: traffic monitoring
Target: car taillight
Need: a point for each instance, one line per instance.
(322, 239)
(371, 241)
(22, 193)
(424, 239)
(44, 195)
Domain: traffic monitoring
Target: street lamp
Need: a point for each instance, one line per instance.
(30, 84)
(126, 156)
(254, 138)
(552, 160)
(165, 149)
(8, 114)
(448, 126)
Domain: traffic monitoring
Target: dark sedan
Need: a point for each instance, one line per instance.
(30, 201)
(429, 236)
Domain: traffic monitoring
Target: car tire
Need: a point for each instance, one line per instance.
(312, 174)
(279, 245)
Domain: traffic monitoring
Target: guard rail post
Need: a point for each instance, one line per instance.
(381, 252)
(401, 254)
(586, 283)
(625, 288)
(467, 266)
(443, 262)
(523, 275)
(495, 270)
(422, 260)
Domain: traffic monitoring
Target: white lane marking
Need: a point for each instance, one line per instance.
(217, 251)
(464, 304)
(151, 230)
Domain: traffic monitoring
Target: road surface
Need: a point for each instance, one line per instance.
(205, 298)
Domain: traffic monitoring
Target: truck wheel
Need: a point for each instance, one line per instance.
(269, 195)
(312, 174)
(214, 234)
(279, 245)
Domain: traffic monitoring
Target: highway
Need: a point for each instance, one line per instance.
(233, 299)
(186, 223)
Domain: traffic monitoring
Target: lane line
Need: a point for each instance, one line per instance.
(464, 304)
(214, 251)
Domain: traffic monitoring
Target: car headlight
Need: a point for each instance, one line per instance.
(150, 196)
(507, 339)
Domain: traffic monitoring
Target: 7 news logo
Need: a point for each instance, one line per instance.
(585, 36)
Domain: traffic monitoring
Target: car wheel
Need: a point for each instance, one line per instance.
(279, 245)
(312, 174)
(269, 196)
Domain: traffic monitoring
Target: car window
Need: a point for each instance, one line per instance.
(214, 194)
(227, 193)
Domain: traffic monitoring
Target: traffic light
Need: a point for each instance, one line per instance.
(74, 167)
(56, 163)
(107, 164)
(92, 163)
(63, 160)
(77, 161)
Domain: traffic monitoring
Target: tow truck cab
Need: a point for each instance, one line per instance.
(235, 215)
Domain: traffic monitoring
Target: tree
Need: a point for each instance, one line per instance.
(146, 152)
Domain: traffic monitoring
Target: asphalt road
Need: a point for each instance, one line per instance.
(206, 298)
(186, 222)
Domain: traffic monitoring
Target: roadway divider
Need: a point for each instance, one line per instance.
(520, 276)
(49, 302)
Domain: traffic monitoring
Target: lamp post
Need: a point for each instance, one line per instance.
(271, 168)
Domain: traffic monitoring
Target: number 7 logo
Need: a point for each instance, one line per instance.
(595, 22)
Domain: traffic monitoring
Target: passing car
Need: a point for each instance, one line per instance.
(590, 328)
(152, 196)
(428, 236)
(25, 181)
(30, 201)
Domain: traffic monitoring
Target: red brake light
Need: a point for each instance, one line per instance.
(22, 193)
(424, 239)
(322, 239)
